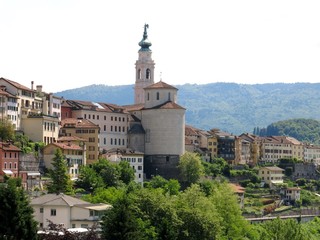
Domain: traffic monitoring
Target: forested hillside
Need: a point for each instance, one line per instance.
(235, 108)
(306, 130)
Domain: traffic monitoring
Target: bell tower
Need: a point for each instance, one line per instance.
(144, 68)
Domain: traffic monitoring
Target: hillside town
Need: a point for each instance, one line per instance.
(151, 135)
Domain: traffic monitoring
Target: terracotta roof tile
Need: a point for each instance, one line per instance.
(160, 85)
(166, 105)
(17, 85)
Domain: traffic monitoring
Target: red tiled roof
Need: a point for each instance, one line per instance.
(70, 139)
(237, 188)
(79, 123)
(69, 146)
(160, 85)
(166, 105)
(9, 147)
(17, 85)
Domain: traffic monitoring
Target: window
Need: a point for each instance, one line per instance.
(73, 225)
(104, 117)
(41, 210)
(139, 167)
(148, 74)
(53, 212)
(158, 95)
(148, 96)
(111, 141)
(84, 225)
(104, 127)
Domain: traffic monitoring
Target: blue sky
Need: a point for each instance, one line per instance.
(65, 44)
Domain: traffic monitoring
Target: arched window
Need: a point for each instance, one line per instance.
(158, 95)
(148, 74)
(139, 74)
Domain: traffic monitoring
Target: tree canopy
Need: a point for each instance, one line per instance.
(61, 182)
(16, 214)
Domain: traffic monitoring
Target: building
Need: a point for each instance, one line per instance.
(85, 133)
(135, 159)
(8, 107)
(41, 128)
(9, 160)
(290, 194)
(274, 148)
(312, 154)
(74, 155)
(248, 149)
(239, 191)
(271, 175)
(163, 121)
(222, 145)
(111, 119)
(66, 210)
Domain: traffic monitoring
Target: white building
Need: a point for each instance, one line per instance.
(312, 153)
(66, 210)
(158, 122)
(135, 159)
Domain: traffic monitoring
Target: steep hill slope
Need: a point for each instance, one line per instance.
(235, 108)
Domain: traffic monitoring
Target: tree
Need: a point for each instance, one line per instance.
(123, 222)
(16, 219)
(126, 172)
(6, 130)
(190, 167)
(282, 230)
(61, 182)
(198, 214)
(88, 179)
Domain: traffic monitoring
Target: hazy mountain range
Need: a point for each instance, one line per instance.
(235, 108)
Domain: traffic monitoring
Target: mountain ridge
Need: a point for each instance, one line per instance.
(231, 107)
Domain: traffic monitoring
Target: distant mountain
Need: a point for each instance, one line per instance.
(305, 130)
(235, 108)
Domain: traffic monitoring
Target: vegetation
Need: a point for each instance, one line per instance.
(103, 173)
(61, 182)
(6, 130)
(305, 130)
(190, 167)
(16, 219)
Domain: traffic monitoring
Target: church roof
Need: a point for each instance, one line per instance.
(160, 84)
(166, 105)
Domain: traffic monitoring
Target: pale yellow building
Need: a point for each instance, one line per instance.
(41, 128)
(271, 175)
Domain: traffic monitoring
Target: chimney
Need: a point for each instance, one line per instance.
(39, 88)
(32, 85)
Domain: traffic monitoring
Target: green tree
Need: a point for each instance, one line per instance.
(16, 219)
(88, 179)
(283, 230)
(123, 222)
(61, 182)
(234, 226)
(198, 214)
(6, 130)
(191, 168)
(126, 172)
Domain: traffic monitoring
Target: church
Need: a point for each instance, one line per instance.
(157, 122)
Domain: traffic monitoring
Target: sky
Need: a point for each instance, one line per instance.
(68, 44)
